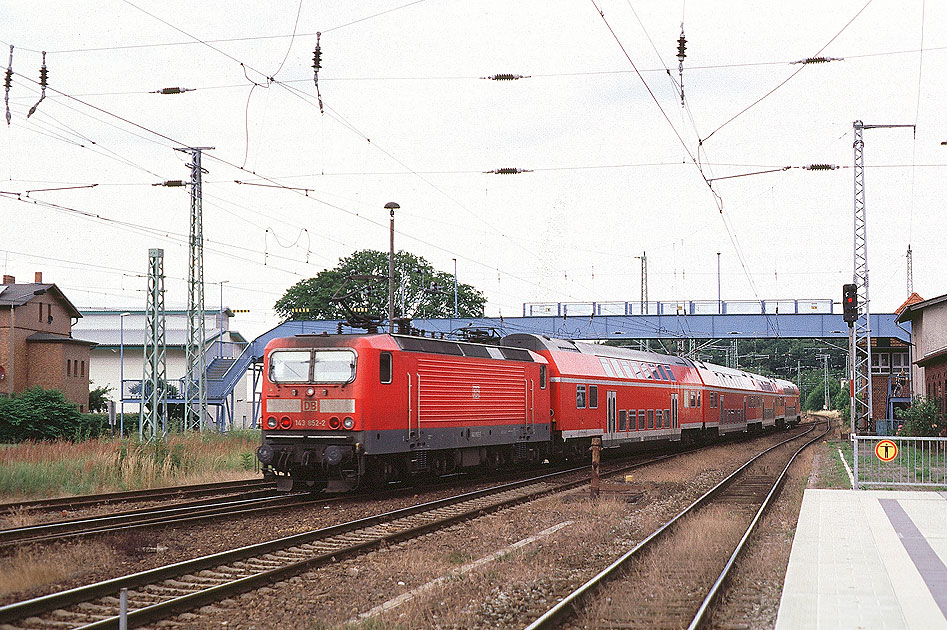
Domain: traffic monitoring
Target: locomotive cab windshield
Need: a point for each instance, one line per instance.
(312, 366)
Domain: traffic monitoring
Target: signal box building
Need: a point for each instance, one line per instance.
(36, 343)
(929, 336)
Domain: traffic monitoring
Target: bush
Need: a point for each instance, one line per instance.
(45, 414)
(921, 419)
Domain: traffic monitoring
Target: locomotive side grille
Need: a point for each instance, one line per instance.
(463, 391)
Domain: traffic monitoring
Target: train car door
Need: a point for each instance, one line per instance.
(674, 411)
(611, 407)
(722, 417)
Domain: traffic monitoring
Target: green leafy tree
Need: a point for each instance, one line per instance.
(420, 290)
(99, 399)
(921, 419)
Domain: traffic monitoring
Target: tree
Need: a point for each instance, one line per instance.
(99, 399)
(420, 290)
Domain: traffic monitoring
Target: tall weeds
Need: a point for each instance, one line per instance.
(104, 464)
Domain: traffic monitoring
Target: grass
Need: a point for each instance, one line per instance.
(832, 473)
(43, 469)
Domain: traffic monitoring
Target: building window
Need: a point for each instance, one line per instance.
(82, 373)
(899, 363)
(68, 367)
(880, 363)
(40, 312)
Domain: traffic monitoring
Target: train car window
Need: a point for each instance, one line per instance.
(593, 396)
(607, 366)
(580, 396)
(516, 354)
(670, 373)
(658, 420)
(333, 366)
(434, 346)
(290, 366)
(650, 418)
(542, 377)
(641, 419)
(692, 398)
(663, 373)
(622, 420)
(698, 399)
(667, 418)
(471, 350)
(384, 367)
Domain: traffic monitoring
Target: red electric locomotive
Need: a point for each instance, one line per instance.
(341, 409)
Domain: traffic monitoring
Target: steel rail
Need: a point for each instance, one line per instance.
(565, 607)
(134, 495)
(713, 594)
(176, 514)
(54, 601)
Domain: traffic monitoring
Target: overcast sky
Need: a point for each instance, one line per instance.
(407, 118)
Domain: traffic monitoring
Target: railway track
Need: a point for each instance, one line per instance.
(167, 591)
(674, 577)
(177, 514)
(153, 494)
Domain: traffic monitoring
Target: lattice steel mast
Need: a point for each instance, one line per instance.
(910, 271)
(153, 416)
(195, 397)
(860, 337)
(644, 282)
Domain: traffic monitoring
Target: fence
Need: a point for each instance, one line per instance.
(913, 461)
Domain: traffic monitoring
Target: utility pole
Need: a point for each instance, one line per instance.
(910, 271)
(719, 301)
(455, 288)
(153, 412)
(644, 282)
(826, 404)
(195, 396)
(860, 337)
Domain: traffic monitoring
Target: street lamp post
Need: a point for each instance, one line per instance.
(121, 370)
(391, 206)
(220, 340)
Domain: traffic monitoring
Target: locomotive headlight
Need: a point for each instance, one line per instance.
(310, 392)
(334, 423)
(285, 422)
(271, 422)
(348, 423)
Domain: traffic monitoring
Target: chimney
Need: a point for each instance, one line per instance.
(8, 279)
(39, 277)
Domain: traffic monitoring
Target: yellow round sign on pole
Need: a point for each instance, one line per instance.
(886, 450)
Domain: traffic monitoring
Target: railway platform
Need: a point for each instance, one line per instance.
(869, 560)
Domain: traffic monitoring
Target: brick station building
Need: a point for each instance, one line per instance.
(36, 343)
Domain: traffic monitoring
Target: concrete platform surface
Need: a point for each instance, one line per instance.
(867, 559)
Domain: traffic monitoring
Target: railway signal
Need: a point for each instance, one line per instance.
(850, 303)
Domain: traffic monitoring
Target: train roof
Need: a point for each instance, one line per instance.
(538, 343)
(710, 373)
(410, 343)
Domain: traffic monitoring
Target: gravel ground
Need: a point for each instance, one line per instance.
(510, 590)
(507, 591)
